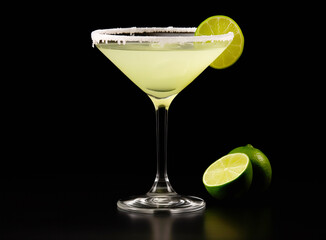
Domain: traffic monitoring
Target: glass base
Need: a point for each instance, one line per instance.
(161, 203)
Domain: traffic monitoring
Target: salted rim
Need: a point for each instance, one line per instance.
(112, 34)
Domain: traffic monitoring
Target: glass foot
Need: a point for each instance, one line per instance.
(156, 203)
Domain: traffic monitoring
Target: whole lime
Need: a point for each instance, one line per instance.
(262, 170)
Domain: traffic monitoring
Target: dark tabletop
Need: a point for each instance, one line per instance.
(83, 206)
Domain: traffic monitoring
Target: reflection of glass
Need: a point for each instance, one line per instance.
(162, 62)
(163, 227)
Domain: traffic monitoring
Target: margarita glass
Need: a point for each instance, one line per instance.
(161, 62)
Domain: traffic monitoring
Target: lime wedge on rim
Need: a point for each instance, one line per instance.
(221, 25)
(229, 177)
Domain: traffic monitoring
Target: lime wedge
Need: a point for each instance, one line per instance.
(229, 176)
(221, 25)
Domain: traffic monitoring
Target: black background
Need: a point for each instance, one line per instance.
(78, 135)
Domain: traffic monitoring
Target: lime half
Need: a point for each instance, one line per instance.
(221, 25)
(229, 176)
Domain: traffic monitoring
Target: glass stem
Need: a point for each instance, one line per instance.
(161, 184)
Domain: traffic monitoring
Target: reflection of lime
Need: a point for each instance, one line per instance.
(221, 25)
(238, 220)
(218, 225)
(229, 176)
(262, 170)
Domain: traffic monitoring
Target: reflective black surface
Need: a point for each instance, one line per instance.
(68, 207)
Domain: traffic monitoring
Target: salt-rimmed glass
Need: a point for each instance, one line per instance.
(162, 62)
